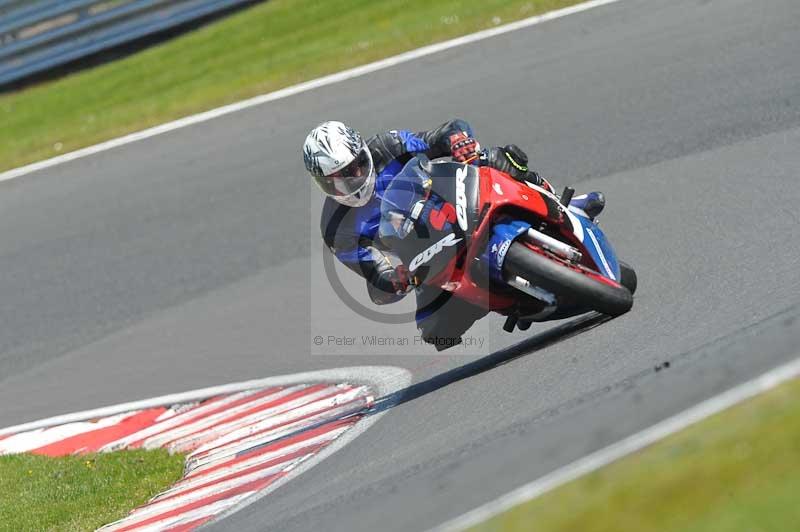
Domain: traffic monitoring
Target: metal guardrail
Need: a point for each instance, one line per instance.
(37, 35)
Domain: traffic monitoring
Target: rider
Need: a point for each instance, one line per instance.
(353, 173)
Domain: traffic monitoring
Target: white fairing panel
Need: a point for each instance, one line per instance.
(577, 226)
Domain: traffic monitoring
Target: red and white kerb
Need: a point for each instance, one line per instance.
(237, 445)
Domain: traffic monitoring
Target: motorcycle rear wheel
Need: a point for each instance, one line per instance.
(577, 283)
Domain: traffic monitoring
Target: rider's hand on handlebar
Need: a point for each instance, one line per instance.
(400, 278)
(513, 161)
(464, 148)
(390, 285)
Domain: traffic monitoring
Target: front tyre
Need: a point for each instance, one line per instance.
(627, 276)
(576, 283)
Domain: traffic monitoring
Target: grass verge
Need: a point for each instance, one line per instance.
(80, 492)
(738, 470)
(266, 47)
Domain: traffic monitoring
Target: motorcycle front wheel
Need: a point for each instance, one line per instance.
(575, 282)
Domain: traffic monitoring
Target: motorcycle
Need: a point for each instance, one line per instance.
(509, 247)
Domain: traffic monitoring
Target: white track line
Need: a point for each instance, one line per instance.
(227, 454)
(27, 441)
(631, 444)
(203, 511)
(194, 474)
(301, 87)
(175, 420)
(232, 472)
(383, 381)
(203, 425)
(281, 412)
(367, 374)
(158, 507)
(264, 437)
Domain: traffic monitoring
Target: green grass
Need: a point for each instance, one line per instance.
(80, 492)
(266, 47)
(737, 471)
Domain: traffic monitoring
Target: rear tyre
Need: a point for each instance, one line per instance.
(584, 287)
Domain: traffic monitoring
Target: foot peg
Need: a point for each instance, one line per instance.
(510, 323)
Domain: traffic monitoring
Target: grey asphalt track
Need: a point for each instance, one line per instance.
(192, 258)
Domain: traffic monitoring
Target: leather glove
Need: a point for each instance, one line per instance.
(509, 159)
(389, 286)
(399, 279)
(514, 162)
(464, 148)
(386, 283)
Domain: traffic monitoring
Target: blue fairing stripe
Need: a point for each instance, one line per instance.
(503, 235)
(600, 249)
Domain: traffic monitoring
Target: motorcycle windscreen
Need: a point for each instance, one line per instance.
(403, 201)
(416, 224)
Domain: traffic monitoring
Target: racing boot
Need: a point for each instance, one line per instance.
(589, 205)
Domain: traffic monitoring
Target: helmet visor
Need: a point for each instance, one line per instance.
(350, 179)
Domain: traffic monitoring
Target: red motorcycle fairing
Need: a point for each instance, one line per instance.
(423, 223)
(498, 194)
(524, 201)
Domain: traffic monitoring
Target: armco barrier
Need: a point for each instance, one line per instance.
(37, 35)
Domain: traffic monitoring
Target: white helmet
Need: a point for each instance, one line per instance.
(340, 162)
